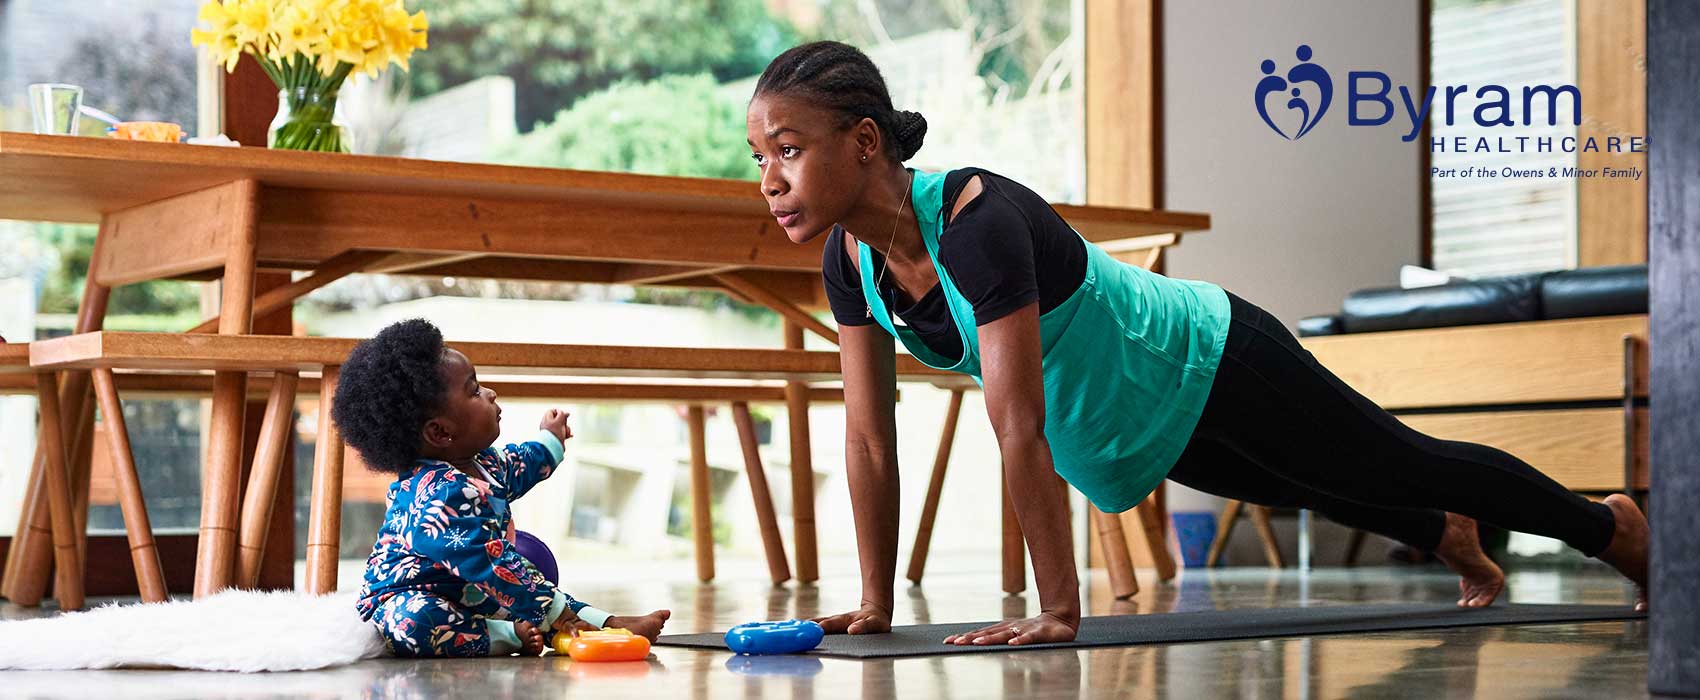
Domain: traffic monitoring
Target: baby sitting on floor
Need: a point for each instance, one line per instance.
(444, 578)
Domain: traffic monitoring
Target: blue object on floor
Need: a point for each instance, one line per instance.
(774, 665)
(784, 637)
(1195, 530)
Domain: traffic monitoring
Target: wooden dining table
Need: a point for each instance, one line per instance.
(173, 211)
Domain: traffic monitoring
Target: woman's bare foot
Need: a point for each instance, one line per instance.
(1629, 541)
(1479, 579)
(530, 639)
(649, 626)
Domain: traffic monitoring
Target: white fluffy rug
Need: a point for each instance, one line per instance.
(232, 631)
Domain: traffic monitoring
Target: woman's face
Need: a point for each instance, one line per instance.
(811, 170)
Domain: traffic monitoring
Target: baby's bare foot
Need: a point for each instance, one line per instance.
(648, 626)
(1479, 579)
(530, 639)
(1629, 541)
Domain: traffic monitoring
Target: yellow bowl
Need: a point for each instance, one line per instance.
(613, 644)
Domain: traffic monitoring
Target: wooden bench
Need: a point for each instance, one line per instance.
(1568, 396)
(84, 491)
(102, 352)
(1563, 395)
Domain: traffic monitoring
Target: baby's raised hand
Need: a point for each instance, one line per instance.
(555, 421)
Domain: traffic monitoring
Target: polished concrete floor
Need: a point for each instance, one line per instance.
(1606, 660)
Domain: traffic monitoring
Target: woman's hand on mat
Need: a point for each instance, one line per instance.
(555, 421)
(1044, 628)
(871, 619)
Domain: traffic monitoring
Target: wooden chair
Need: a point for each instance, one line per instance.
(1265, 533)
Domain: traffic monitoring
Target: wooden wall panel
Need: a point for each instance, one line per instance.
(1124, 141)
(1611, 74)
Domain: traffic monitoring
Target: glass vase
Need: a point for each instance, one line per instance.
(308, 120)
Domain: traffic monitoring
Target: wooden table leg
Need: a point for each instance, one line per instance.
(277, 565)
(79, 435)
(1113, 541)
(263, 477)
(79, 463)
(26, 535)
(935, 489)
(215, 559)
(1151, 521)
(144, 555)
(1266, 533)
(1354, 547)
(1014, 550)
(324, 515)
(802, 469)
(1224, 528)
(777, 568)
(32, 554)
(702, 515)
(68, 581)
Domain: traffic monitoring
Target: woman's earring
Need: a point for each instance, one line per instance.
(864, 157)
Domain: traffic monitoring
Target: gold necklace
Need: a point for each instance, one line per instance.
(885, 262)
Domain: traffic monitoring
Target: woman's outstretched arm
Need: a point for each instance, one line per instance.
(867, 354)
(1010, 364)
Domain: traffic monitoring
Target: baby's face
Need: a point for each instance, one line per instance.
(469, 408)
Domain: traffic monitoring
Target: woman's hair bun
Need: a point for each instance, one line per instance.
(909, 129)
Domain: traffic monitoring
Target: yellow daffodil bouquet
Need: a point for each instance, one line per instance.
(309, 47)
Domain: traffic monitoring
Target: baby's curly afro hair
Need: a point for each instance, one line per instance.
(390, 387)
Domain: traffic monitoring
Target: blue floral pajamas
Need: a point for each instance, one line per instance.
(443, 578)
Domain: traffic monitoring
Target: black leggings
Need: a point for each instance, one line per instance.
(1279, 429)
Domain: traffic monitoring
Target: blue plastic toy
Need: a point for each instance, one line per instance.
(785, 637)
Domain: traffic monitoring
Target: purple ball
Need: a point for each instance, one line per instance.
(537, 553)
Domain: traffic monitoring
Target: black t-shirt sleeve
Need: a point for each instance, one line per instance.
(843, 283)
(989, 253)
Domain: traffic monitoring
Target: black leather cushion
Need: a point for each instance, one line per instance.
(1319, 325)
(1489, 300)
(1595, 291)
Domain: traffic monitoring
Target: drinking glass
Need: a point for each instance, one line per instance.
(54, 107)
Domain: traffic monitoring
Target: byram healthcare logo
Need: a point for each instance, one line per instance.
(1304, 72)
(1372, 100)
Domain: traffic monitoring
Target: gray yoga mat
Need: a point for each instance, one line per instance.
(1204, 626)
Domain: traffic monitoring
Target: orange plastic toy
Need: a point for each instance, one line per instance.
(612, 644)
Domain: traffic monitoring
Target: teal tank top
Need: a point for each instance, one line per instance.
(1128, 361)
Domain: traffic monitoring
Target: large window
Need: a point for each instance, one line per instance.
(133, 60)
(659, 86)
(1498, 226)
